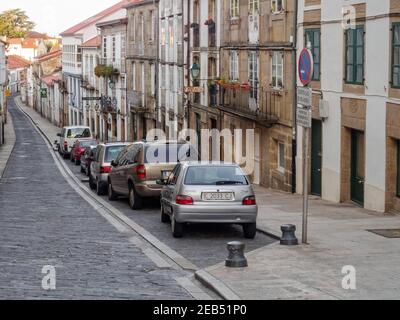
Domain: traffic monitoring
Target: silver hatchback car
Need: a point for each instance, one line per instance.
(209, 192)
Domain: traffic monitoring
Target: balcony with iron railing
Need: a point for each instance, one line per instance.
(259, 104)
(118, 64)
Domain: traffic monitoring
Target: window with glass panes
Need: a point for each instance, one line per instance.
(234, 8)
(396, 56)
(277, 70)
(313, 36)
(355, 55)
(234, 75)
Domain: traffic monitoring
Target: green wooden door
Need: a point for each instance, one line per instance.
(357, 166)
(316, 158)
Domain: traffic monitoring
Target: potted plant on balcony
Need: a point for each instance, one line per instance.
(245, 86)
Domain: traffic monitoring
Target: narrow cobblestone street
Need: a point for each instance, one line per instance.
(43, 221)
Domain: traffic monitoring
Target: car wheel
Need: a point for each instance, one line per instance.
(77, 162)
(135, 201)
(83, 170)
(177, 228)
(112, 196)
(99, 189)
(72, 158)
(92, 185)
(164, 217)
(250, 230)
(65, 156)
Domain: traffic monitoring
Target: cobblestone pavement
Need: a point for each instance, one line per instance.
(43, 221)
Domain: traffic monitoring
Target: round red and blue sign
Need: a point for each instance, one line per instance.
(306, 66)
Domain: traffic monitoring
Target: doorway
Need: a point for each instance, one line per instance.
(316, 158)
(357, 166)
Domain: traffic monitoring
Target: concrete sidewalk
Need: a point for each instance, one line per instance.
(338, 237)
(8, 146)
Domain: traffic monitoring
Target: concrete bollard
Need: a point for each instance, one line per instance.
(236, 258)
(289, 235)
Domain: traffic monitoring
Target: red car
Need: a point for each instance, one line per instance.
(79, 149)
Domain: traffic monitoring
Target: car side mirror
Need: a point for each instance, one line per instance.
(114, 164)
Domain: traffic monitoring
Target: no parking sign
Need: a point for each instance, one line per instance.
(306, 66)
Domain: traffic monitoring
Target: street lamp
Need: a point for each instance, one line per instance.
(195, 71)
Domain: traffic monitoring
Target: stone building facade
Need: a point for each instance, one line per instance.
(257, 86)
(142, 66)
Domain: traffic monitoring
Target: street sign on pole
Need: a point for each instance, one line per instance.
(304, 96)
(304, 117)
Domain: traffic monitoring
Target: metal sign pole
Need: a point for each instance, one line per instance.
(305, 184)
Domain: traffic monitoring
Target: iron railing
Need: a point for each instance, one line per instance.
(259, 104)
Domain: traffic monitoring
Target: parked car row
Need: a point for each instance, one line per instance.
(189, 191)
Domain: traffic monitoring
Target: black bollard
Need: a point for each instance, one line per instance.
(236, 257)
(289, 235)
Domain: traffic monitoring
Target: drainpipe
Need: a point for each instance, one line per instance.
(188, 59)
(295, 133)
(157, 65)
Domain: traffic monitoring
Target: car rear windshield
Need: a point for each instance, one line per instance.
(78, 133)
(169, 153)
(112, 153)
(89, 143)
(215, 175)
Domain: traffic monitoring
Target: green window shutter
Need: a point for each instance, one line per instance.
(355, 55)
(314, 37)
(396, 55)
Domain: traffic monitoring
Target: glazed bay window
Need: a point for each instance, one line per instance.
(396, 56)
(277, 70)
(355, 55)
(313, 37)
(234, 74)
(234, 9)
(277, 6)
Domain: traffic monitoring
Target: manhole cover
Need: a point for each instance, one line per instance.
(387, 233)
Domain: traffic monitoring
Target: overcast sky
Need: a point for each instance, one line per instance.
(55, 16)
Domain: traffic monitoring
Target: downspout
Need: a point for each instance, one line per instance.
(157, 66)
(295, 133)
(188, 29)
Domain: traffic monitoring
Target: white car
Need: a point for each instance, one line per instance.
(69, 135)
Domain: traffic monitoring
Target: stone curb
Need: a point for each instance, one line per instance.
(8, 147)
(216, 285)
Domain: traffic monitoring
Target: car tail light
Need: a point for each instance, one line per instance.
(184, 200)
(105, 169)
(141, 172)
(249, 201)
(81, 150)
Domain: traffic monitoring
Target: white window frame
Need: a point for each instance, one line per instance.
(280, 168)
(234, 9)
(277, 75)
(134, 76)
(275, 4)
(234, 65)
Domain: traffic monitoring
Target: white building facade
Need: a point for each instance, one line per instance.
(355, 147)
(172, 56)
(72, 39)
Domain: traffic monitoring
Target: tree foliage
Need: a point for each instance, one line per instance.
(15, 23)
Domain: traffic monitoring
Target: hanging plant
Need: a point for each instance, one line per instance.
(105, 71)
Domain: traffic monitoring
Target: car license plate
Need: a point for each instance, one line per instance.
(165, 174)
(218, 196)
